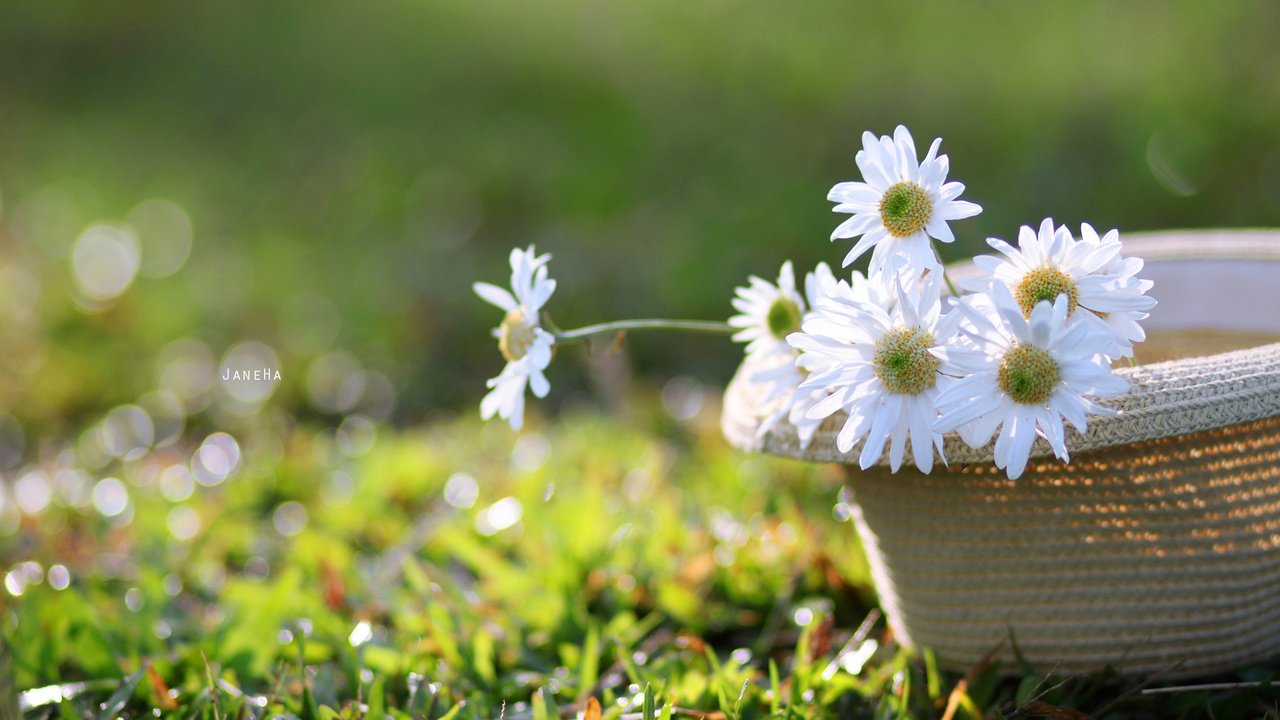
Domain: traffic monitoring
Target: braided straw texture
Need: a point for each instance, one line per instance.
(1156, 550)
(1157, 557)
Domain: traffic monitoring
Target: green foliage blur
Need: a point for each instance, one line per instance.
(462, 573)
(316, 185)
(382, 156)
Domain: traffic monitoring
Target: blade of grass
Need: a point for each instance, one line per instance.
(121, 696)
(589, 667)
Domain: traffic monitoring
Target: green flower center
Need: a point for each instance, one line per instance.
(515, 335)
(1028, 374)
(903, 363)
(783, 318)
(905, 208)
(1045, 283)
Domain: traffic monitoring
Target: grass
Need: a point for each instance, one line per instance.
(461, 571)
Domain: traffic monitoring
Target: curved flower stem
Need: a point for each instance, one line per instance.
(700, 326)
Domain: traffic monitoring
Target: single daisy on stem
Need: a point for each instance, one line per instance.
(527, 346)
(521, 338)
(1022, 374)
(900, 204)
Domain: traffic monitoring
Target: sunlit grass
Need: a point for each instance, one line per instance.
(463, 569)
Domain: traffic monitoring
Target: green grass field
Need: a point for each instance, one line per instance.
(461, 571)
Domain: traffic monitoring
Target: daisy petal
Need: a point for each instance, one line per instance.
(494, 295)
(939, 230)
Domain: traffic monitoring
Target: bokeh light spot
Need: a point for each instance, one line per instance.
(335, 382)
(217, 457)
(461, 491)
(249, 372)
(110, 497)
(499, 516)
(176, 483)
(127, 432)
(290, 518)
(356, 436)
(59, 577)
(33, 492)
(184, 522)
(164, 234)
(104, 261)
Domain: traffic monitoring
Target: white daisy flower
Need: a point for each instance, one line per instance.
(1023, 375)
(521, 339)
(900, 204)
(1125, 324)
(768, 312)
(1090, 272)
(782, 377)
(876, 360)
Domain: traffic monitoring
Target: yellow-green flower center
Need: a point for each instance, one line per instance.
(783, 318)
(1028, 374)
(903, 363)
(905, 208)
(515, 335)
(1045, 283)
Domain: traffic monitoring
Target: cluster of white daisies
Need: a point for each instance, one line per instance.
(1028, 346)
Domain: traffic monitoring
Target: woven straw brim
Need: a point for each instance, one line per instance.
(1162, 556)
(1156, 550)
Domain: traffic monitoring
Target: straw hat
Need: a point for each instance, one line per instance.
(1157, 549)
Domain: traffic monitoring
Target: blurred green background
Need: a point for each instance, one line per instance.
(347, 170)
(313, 187)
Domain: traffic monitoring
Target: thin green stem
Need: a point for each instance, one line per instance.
(699, 326)
(947, 279)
